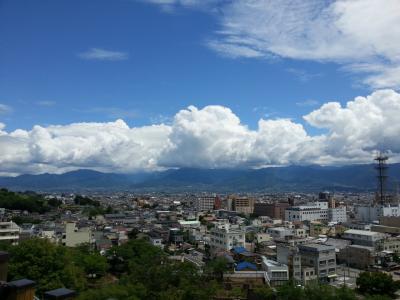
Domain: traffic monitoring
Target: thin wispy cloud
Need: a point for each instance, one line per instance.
(360, 36)
(307, 103)
(5, 109)
(46, 103)
(112, 112)
(303, 75)
(103, 54)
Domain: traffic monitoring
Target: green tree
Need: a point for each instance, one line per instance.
(31, 202)
(263, 293)
(93, 264)
(82, 200)
(45, 263)
(376, 283)
(135, 252)
(217, 267)
(290, 291)
(115, 291)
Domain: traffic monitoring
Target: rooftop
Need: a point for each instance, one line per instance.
(362, 232)
(316, 247)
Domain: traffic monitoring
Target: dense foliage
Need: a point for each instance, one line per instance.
(24, 219)
(52, 266)
(138, 270)
(24, 201)
(377, 283)
(82, 200)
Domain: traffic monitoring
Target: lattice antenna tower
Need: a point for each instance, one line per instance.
(381, 168)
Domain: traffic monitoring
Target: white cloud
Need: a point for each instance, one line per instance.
(360, 35)
(349, 33)
(102, 54)
(211, 137)
(364, 124)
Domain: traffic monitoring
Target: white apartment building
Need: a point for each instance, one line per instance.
(317, 211)
(226, 237)
(9, 231)
(337, 214)
(306, 213)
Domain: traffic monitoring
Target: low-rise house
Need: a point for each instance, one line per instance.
(156, 240)
(363, 237)
(277, 273)
(262, 237)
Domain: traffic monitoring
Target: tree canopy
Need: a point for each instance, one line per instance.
(138, 270)
(24, 201)
(377, 283)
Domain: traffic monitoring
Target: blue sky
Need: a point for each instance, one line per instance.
(143, 85)
(168, 67)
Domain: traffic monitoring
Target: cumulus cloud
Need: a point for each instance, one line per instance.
(211, 137)
(103, 54)
(109, 146)
(360, 35)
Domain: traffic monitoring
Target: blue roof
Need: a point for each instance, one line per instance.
(239, 250)
(245, 265)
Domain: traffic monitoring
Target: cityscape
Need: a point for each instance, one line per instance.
(200, 149)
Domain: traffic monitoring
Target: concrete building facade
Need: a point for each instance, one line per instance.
(226, 237)
(363, 237)
(322, 258)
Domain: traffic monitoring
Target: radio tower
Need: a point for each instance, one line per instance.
(381, 167)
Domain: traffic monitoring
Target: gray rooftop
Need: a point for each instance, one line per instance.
(316, 247)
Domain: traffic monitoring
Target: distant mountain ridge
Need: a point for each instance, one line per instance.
(277, 179)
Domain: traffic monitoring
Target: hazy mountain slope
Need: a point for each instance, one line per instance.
(291, 178)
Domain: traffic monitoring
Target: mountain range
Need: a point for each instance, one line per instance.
(277, 179)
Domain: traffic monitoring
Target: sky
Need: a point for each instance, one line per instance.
(143, 85)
